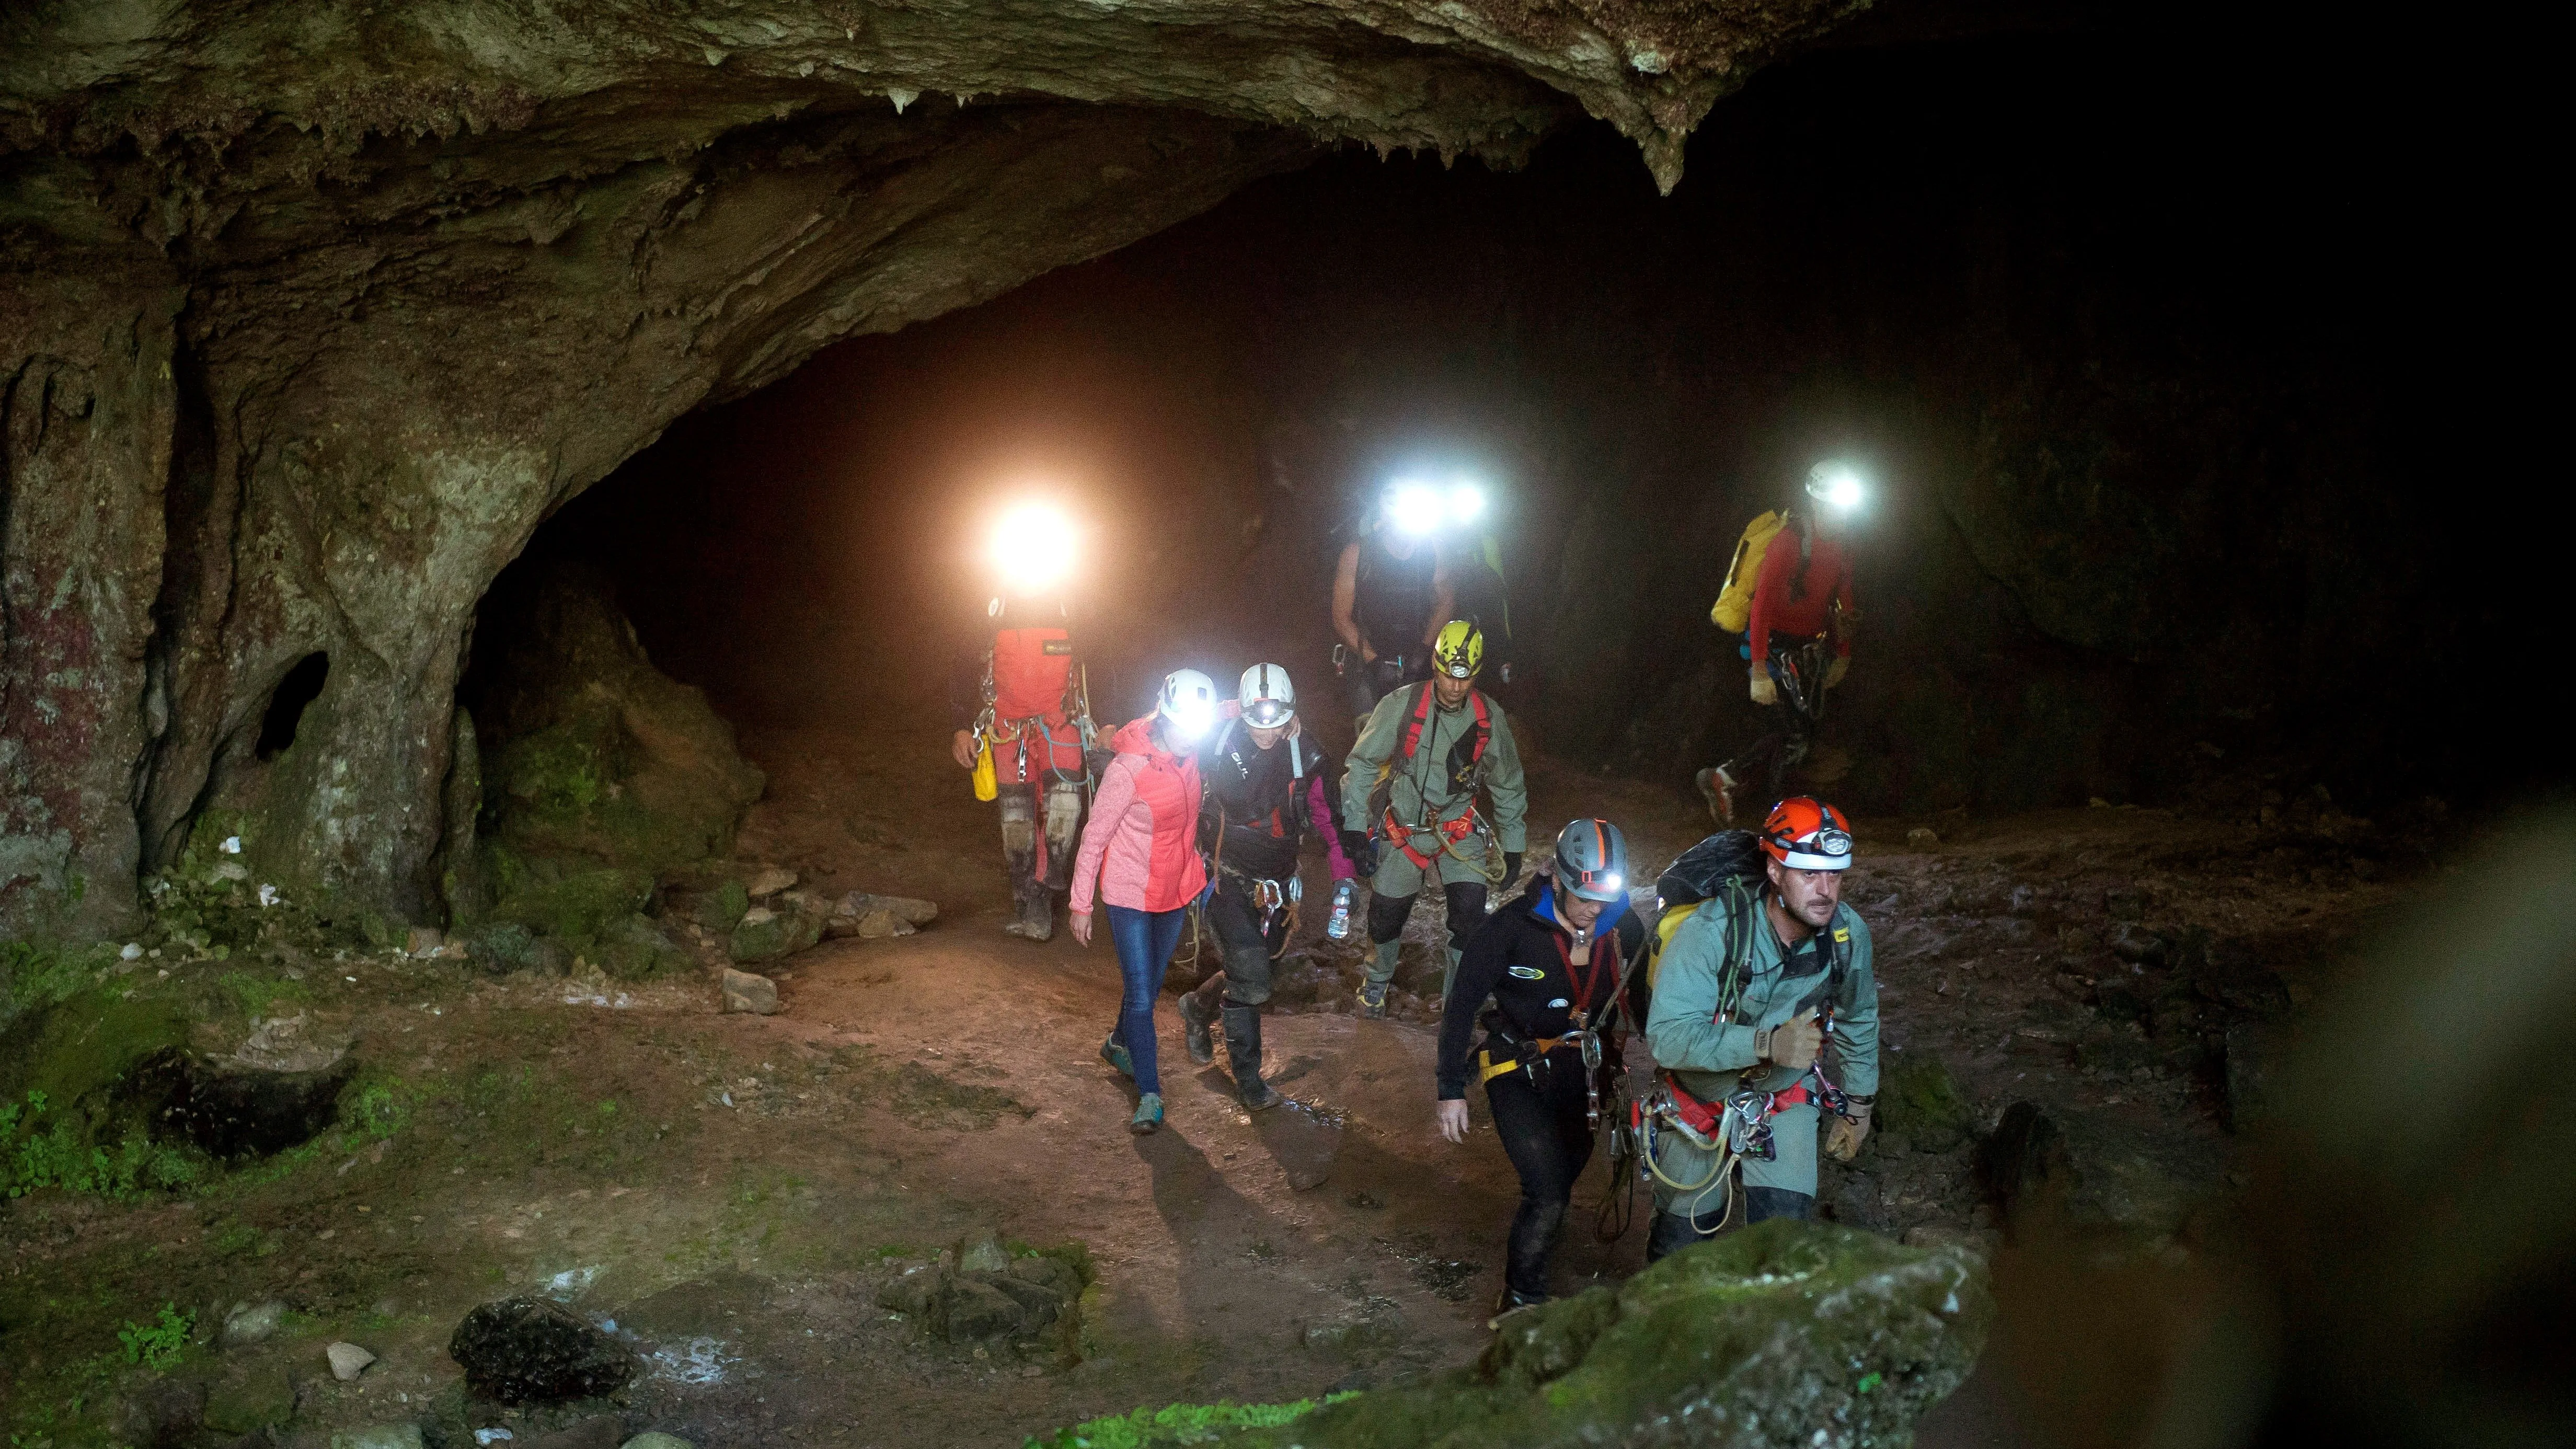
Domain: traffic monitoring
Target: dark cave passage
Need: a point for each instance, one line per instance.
(2147, 526)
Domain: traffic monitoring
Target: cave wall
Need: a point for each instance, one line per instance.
(313, 312)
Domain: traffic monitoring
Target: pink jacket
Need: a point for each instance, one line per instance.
(1141, 844)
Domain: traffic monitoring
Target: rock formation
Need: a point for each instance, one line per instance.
(309, 315)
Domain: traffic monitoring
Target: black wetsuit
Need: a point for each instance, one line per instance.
(1520, 957)
(1391, 601)
(1265, 802)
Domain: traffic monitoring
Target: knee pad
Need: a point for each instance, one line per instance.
(1386, 916)
(1019, 819)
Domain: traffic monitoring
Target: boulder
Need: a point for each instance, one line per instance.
(766, 935)
(769, 881)
(250, 1323)
(722, 908)
(744, 991)
(528, 1350)
(635, 949)
(505, 946)
(2023, 1165)
(1785, 1334)
(992, 1297)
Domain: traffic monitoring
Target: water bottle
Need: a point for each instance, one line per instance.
(1339, 927)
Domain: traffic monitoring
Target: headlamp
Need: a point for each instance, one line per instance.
(1268, 714)
(1837, 486)
(1414, 509)
(1466, 503)
(1187, 723)
(1032, 547)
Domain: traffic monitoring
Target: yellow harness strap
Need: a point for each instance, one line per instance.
(1487, 1068)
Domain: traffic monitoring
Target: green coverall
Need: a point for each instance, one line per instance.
(1422, 789)
(1713, 1062)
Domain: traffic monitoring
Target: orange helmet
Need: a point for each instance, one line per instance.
(1807, 834)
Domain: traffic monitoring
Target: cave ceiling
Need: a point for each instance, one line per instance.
(309, 313)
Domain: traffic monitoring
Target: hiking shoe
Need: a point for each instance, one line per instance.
(1510, 1303)
(1373, 1001)
(1194, 1029)
(1718, 788)
(1149, 1114)
(1116, 1056)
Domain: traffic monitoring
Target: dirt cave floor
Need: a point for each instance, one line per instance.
(736, 1191)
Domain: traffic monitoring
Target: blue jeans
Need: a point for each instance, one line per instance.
(1145, 942)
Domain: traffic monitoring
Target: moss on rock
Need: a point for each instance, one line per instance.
(1918, 1096)
(1771, 1336)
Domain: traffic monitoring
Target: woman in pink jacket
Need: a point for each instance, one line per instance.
(1141, 847)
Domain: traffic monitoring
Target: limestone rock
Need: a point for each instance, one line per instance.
(656, 1439)
(1921, 837)
(767, 935)
(769, 881)
(250, 1323)
(347, 1360)
(992, 1297)
(527, 1350)
(722, 908)
(744, 991)
(1753, 1339)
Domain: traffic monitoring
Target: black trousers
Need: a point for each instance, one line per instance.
(1548, 1137)
(1249, 949)
(1465, 899)
(1672, 1232)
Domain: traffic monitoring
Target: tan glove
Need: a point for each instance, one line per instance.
(1843, 1139)
(1762, 690)
(1835, 671)
(1792, 1044)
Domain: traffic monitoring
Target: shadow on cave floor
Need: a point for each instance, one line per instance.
(615, 1145)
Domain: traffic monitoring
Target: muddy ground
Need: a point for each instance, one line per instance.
(734, 1191)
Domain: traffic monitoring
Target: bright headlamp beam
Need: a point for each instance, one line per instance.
(1466, 502)
(1188, 722)
(1032, 547)
(1414, 509)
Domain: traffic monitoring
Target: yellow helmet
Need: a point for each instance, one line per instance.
(1460, 650)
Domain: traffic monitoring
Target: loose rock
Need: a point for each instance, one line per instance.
(656, 1439)
(769, 882)
(1922, 838)
(744, 991)
(527, 1350)
(250, 1323)
(347, 1360)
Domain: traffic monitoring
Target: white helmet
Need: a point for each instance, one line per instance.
(1187, 705)
(1269, 700)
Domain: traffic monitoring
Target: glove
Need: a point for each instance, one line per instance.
(1362, 851)
(1793, 1043)
(1835, 671)
(1762, 689)
(1511, 871)
(1843, 1138)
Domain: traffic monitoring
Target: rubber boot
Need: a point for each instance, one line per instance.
(1243, 1057)
(1198, 1013)
(1037, 916)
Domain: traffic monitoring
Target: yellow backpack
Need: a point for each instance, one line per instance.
(1734, 607)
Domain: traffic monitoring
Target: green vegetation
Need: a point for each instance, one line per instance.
(33, 977)
(1175, 1424)
(159, 1343)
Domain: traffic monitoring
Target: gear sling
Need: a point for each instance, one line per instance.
(1720, 871)
(1462, 777)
